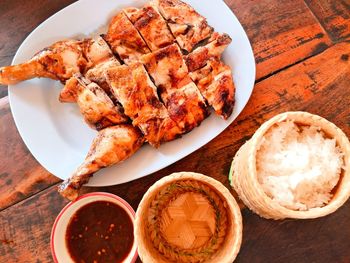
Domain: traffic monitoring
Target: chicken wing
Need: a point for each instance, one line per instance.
(97, 108)
(216, 85)
(125, 40)
(151, 26)
(59, 61)
(188, 27)
(215, 47)
(112, 145)
(132, 86)
(180, 95)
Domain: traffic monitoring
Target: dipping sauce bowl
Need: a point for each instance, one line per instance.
(66, 238)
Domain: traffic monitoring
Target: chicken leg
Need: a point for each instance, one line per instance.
(112, 145)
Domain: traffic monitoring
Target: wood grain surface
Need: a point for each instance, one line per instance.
(20, 174)
(281, 32)
(334, 17)
(303, 62)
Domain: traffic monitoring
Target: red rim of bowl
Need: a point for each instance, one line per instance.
(53, 231)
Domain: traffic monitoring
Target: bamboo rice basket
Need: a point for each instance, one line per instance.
(245, 181)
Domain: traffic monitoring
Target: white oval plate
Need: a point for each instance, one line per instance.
(56, 134)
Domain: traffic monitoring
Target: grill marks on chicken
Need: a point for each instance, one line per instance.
(151, 26)
(213, 49)
(97, 52)
(132, 86)
(180, 95)
(125, 40)
(94, 103)
(216, 85)
(97, 108)
(112, 145)
(100, 57)
(188, 27)
(213, 77)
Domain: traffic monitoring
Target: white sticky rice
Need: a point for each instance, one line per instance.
(298, 166)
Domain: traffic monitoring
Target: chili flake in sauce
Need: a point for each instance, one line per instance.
(100, 232)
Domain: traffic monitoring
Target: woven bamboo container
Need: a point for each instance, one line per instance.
(188, 217)
(244, 175)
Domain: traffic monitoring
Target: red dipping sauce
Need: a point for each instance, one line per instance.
(100, 232)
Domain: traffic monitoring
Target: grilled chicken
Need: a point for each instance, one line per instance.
(151, 26)
(180, 95)
(132, 86)
(215, 47)
(100, 57)
(97, 51)
(112, 145)
(216, 85)
(97, 108)
(125, 40)
(59, 61)
(97, 74)
(189, 27)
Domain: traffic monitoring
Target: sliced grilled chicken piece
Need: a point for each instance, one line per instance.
(112, 145)
(97, 51)
(97, 74)
(59, 61)
(182, 98)
(97, 108)
(214, 49)
(151, 26)
(216, 85)
(132, 86)
(99, 57)
(189, 27)
(125, 40)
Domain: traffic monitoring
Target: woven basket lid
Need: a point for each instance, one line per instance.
(188, 217)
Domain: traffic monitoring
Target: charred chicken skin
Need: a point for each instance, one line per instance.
(99, 57)
(97, 108)
(134, 89)
(188, 27)
(151, 26)
(124, 40)
(213, 49)
(180, 95)
(216, 85)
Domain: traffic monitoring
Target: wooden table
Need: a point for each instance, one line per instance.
(302, 54)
